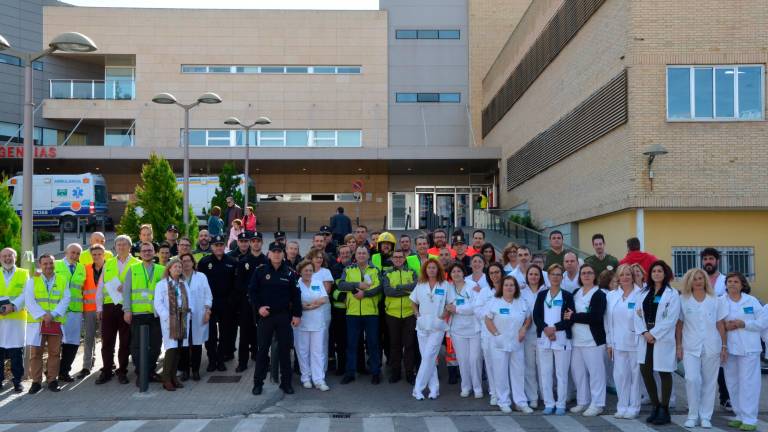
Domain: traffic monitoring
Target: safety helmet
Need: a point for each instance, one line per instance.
(386, 237)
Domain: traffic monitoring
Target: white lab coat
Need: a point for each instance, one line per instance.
(664, 351)
(200, 297)
(162, 311)
(33, 308)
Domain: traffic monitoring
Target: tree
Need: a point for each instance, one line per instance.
(159, 198)
(228, 186)
(10, 229)
(194, 229)
(129, 223)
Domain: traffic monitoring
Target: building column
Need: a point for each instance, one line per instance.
(640, 226)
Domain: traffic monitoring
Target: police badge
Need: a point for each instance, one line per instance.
(247, 266)
(267, 277)
(210, 266)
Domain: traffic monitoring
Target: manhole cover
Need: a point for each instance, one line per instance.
(224, 379)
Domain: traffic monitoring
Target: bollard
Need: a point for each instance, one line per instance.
(298, 227)
(35, 241)
(61, 236)
(143, 358)
(305, 224)
(278, 224)
(85, 229)
(357, 221)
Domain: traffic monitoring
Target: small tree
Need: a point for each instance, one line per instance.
(194, 229)
(129, 223)
(10, 229)
(229, 185)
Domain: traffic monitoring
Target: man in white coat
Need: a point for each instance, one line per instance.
(13, 317)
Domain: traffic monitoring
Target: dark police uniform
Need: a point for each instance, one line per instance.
(246, 265)
(278, 289)
(221, 279)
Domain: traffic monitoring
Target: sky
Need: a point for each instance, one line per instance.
(233, 4)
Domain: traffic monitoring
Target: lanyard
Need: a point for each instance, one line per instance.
(462, 294)
(146, 276)
(49, 287)
(552, 300)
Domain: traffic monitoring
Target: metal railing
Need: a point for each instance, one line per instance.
(92, 89)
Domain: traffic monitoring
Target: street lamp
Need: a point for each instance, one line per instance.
(169, 99)
(233, 121)
(66, 42)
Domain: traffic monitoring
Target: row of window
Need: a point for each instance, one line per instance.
(306, 197)
(242, 69)
(703, 93)
(13, 134)
(15, 61)
(428, 97)
(275, 138)
(427, 34)
(740, 259)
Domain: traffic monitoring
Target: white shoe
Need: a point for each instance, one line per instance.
(619, 415)
(534, 404)
(418, 396)
(525, 409)
(479, 395)
(690, 423)
(577, 409)
(464, 394)
(322, 386)
(494, 401)
(505, 409)
(434, 396)
(592, 412)
(630, 415)
(706, 424)
(307, 385)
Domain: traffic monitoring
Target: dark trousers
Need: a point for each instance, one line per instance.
(190, 357)
(171, 363)
(247, 342)
(155, 340)
(402, 343)
(646, 371)
(356, 325)
(112, 325)
(68, 354)
(280, 324)
(16, 356)
(221, 333)
(724, 396)
(337, 337)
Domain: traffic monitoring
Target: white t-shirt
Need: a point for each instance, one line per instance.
(320, 276)
(553, 315)
(508, 317)
(463, 322)
(719, 285)
(569, 284)
(312, 320)
(431, 302)
(470, 283)
(582, 335)
(700, 335)
(520, 276)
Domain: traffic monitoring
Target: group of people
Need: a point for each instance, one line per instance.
(539, 328)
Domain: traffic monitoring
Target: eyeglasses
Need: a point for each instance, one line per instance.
(551, 275)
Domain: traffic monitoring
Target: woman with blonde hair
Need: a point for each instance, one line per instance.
(509, 258)
(639, 275)
(172, 307)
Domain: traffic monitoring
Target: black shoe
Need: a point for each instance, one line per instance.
(663, 417)
(17, 388)
(54, 386)
(221, 367)
(184, 376)
(340, 371)
(241, 368)
(83, 373)
(287, 389)
(122, 378)
(66, 378)
(654, 414)
(347, 379)
(453, 375)
(410, 378)
(229, 357)
(363, 371)
(155, 377)
(211, 367)
(36, 387)
(196, 376)
(257, 389)
(376, 379)
(103, 378)
(395, 377)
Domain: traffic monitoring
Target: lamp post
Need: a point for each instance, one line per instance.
(65, 42)
(233, 121)
(169, 99)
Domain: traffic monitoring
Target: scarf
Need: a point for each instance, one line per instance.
(177, 314)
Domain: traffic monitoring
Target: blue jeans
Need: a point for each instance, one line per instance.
(17, 363)
(370, 325)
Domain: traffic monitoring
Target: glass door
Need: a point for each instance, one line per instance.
(445, 210)
(426, 208)
(463, 209)
(398, 214)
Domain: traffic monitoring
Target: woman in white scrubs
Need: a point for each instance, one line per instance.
(744, 321)
(309, 337)
(493, 282)
(465, 332)
(429, 299)
(534, 281)
(621, 343)
(701, 344)
(507, 317)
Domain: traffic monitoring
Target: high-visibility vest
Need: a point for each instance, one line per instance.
(377, 262)
(111, 271)
(13, 289)
(90, 287)
(48, 301)
(75, 283)
(200, 255)
(367, 305)
(86, 258)
(399, 307)
(414, 262)
(143, 289)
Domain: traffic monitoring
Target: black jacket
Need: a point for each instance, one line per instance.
(277, 288)
(563, 324)
(595, 316)
(221, 278)
(341, 225)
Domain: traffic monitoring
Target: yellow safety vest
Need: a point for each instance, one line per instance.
(111, 272)
(367, 305)
(143, 289)
(13, 289)
(86, 258)
(74, 281)
(399, 307)
(48, 301)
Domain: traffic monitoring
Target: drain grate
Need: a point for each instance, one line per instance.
(341, 415)
(224, 379)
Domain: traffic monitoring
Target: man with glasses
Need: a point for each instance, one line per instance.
(397, 285)
(185, 246)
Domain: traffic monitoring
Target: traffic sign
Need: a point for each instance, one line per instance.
(357, 186)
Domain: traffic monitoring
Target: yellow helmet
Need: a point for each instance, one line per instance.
(386, 237)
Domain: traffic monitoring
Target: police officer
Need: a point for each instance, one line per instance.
(247, 263)
(243, 248)
(330, 244)
(276, 300)
(220, 270)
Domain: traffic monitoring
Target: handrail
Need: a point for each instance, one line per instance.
(113, 89)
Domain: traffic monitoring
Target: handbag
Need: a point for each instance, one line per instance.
(51, 329)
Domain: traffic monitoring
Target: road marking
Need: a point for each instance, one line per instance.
(440, 424)
(191, 425)
(62, 427)
(378, 424)
(503, 424)
(250, 425)
(5, 427)
(626, 425)
(565, 423)
(126, 426)
(312, 424)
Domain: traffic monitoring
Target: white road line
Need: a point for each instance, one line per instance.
(62, 427)
(625, 425)
(5, 427)
(566, 423)
(503, 424)
(191, 425)
(126, 426)
(378, 424)
(314, 424)
(440, 424)
(250, 425)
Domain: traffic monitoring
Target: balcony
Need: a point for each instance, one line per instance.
(92, 89)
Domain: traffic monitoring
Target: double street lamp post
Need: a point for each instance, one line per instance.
(233, 121)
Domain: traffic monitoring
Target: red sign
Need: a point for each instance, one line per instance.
(17, 152)
(357, 186)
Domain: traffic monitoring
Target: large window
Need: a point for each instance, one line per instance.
(427, 34)
(15, 61)
(256, 69)
(428, 97)
(740, 259)
(274, 138)
(305, 197)
(710, 93)
(114, 137)
(12, 133)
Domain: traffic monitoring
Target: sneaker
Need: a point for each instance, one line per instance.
(322, 386)
(619, 415)
(307, 385)
(748, 427)
(17, 388)
(83, 373)
(525, 409)
(548, 410)
(36, 387)
(479, 395)
(592, 412)
(631, 415)
(733, 423)
(505, 409)
(533, 404)
(560, 411)
(706, 424)
(690, 423)
(418, 396)
(577, 409)
(433, 396)
(54, 386)
(494, 401)
(464, 394)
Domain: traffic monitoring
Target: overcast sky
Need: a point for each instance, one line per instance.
(234, 4)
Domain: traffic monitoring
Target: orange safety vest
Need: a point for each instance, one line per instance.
(89, 289)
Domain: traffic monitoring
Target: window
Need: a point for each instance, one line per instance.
(297, 69)
(427, 34)
(707, 93)
(118, 137)
(428, 97)
(297, 138)
(15, 61)
(13, 133)
(304, 197)
(449, 34)
(406, 34)
(739, 259)
(450, 97)
(276, 69)
(272, 138)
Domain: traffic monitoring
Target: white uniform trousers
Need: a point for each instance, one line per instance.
(701, 384)
(626, 375)
(742, 377)
(506, 367)
(554, 363)
(71, 328)
(588, 369)
(470, 359)
(312, 353)
(429, 347)
(531, 370)
(486, 345)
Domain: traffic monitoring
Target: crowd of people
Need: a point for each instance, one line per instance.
(528, 328)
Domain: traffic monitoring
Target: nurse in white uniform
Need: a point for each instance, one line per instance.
(701, 344)
(507, 317)
(621, 343)
(465, 332)
(429, 299)
(479, 282)
(534, 281)
(310, 336)
(744, 321)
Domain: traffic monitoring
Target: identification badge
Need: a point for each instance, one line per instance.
(439, 291)
(749, 310)
(315, 287)
(631, 306)
(557, 302)
(247, 266)
(657, 299)
(210, 266)
(504, 311)
(267, 277)
(459, 301)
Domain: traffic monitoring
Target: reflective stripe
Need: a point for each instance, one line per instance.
(142, 296)
(111, 271)
(46, 301)
(14, 289)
